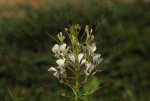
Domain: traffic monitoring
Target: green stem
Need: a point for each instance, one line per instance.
(77, 80)
(77, 86)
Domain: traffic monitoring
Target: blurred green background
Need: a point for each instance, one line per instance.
(25, 48)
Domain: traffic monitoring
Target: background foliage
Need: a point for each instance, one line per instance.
(25, 49)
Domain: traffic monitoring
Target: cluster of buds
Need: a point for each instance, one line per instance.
(78, 57)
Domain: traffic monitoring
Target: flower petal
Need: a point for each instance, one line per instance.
(52, 69)
(56, 72)
(61, 37)
(87, 64)
(83, 61)
(80, 56)
(55, 49)
(86, 73)
(72, 57)
(89, 68)
(92, 48)
(57, 55)
(60, 62)
(63, 47)
(62, 70)
(96, 57)
(100, 60)
(91, 30)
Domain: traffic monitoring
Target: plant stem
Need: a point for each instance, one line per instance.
(77, 86)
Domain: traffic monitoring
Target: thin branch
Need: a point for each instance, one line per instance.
(99, 23)
(51, 37)
(71, 69)
(68, 97)
(13, 97)
(94, 90)
(94, 73)
(70, 86)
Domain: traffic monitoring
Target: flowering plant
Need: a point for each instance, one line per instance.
(77, 61)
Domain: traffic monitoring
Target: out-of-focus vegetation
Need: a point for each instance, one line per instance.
(25, 50)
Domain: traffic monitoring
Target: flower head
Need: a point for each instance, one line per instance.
(77, 54)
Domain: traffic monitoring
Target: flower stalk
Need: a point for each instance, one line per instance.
(76, 58)
(77, 87)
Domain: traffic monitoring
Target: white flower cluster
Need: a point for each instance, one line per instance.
(67, 57)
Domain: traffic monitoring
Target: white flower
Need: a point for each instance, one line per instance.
(96, 56)
(91, 65)
(92, 48)
(60, 50)
(61, 37)
(56, 48)
(60, 62)
(56, 72)
(89, 68)
(63, 47)
(80, 59)
(80, 56)
(91, 30)
(72, 58)
(96, 59)
(60, 66)
(100, 60)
